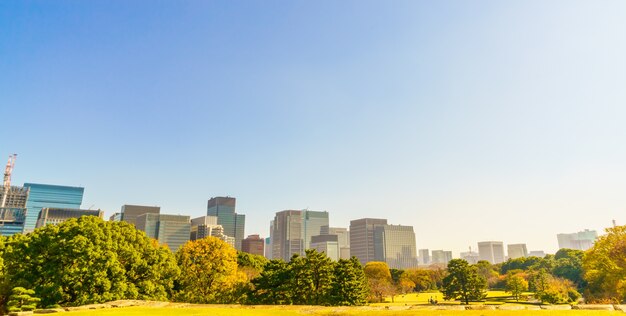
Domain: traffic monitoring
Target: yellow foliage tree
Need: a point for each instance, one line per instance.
(604, 267)
(209, 272)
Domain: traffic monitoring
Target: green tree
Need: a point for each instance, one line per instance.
(516, 285)
(312, 277)
(88, 260)
(350, 285)
(379, 280)
(273, 285)
(488, 271)
(463, 282)
(422, 279)
(22, 299)
(568, 264)
(605, 267)
(209, 271)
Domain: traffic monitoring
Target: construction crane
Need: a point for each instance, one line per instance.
(7, 178)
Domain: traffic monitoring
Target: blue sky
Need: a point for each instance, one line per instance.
(471, 121)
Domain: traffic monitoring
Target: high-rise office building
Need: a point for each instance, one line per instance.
(292, 231)
(129, 213)
(362, 238)
(16, 197)
(253, 244)
(343, 239)
(170, 230)
(580, 241)
(205, 226)
(424, 256)
(441, 257)
(516, 251)
(327, 244)
(53, 196)
(234, 224)
(395, 245)
(54, 216)
(492, 251)
(471, 257)
(268, 248)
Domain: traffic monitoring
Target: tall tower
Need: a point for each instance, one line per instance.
(7, 178)
(224, 209)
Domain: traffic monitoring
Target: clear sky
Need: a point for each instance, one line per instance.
(470, 120)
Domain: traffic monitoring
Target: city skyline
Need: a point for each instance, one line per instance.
(488, 121)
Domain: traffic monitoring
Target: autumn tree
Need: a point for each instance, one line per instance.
(379, 280)
(516, 284)
(209, 271)
(605, 267)
(463, 282)
(88, 260)
(421, 278)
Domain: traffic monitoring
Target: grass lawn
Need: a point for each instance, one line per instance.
(493, 298)
(313, 311)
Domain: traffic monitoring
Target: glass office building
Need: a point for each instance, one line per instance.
(46, 195)
(170, 230)
(234, 224)
(11, 220)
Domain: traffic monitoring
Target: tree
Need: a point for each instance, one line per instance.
(251, 265)
(552, 290)
(421, 278)
(350, 286)
(463, 282)
(312, 277)
(379, 279)
(488, 272)
(605, 267)
(21, 299)
(273, 285)
(209, 271)
(516, 284)
(88, 260)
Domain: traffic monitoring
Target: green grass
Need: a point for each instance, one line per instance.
(313, 311)
(493, 298)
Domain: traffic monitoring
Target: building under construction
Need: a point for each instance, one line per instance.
(12, 203)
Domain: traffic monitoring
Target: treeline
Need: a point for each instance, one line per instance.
(88, 260)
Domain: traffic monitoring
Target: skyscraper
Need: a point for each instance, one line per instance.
(517, 251)
(171, 230)
(129, 213)
(46, 195)
(253, 244)
(471, 257)
(327, 244)
(205, 226)
(492, 251)
(580, 241)
(441, 257)
(395, 245)
(234, 224)
(362, 238)
(424, 256)
(292, 231)
(343, 239)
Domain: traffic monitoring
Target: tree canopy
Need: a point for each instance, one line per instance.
(605, 267)
(463, 282)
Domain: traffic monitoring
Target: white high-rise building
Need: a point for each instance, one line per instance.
(492, 251)
(517, 251)
(580, 241)
(441, 256)
(471, 257)
(424, 256)
(292, 231)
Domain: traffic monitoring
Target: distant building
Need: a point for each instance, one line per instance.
(12, 220)
(51, 196)
(56, 216)
(234, 224)
(253, 244)
(129, 213)
(327, 244)
(268, 248)
(117, 217)
(441, 257)
(517, 251)
(292, 231)
(395, 245)
(171, 230)
(424, 256)
(343, 238)
(580, 241)
(16, 197)
(537, 253)
(362, 238)
(471, 257)
(205, 226)
(492, 251)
